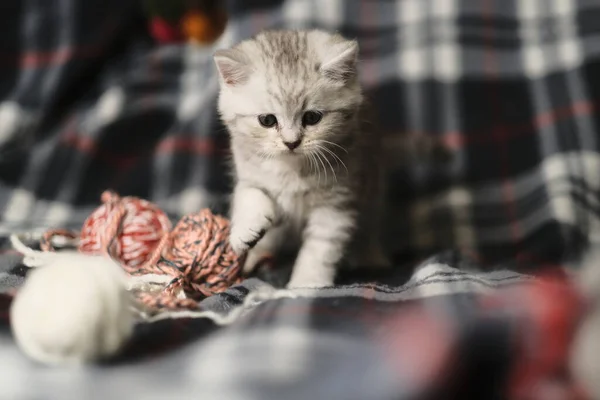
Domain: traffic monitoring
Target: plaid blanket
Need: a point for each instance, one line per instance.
(445, 333)
(490, 110)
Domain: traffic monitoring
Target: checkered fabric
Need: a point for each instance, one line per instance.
(508, 89)
(444, 334)
(491, 110)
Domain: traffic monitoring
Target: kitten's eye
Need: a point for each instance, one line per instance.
(311, 118)
(267, 120)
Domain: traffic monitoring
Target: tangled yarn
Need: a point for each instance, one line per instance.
(136, 233)
(198, 255)
(128, 228)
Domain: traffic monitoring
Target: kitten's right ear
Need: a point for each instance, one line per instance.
(232, 66)
(340, 64)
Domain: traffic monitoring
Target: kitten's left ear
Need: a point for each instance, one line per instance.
(232, 66)
(340, 64)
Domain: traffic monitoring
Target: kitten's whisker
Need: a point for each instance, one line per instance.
(313, 161)
(337, 159)
(310, 158)
(265, 156)
(318, 154)
(334, 144)
(317, 169)
(328, 162)
(323, 156)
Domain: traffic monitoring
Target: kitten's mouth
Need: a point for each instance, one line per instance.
(291, 153)
(295, 152)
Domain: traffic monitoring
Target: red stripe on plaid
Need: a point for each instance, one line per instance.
(202, 146)
(453, 140)
(60, 56)
(87, 145)
(42, 59)
(525, 260)
(457, 140)
(499, 132)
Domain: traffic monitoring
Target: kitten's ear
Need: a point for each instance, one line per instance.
(340, 63)
(232, 66)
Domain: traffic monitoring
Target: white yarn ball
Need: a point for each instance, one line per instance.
(75, 309)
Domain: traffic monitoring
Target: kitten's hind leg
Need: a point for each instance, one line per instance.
(253, 214)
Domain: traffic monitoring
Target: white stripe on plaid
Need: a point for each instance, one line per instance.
(556, 175)
(540, 24)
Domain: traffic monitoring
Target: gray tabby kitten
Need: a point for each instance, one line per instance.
(306, 174)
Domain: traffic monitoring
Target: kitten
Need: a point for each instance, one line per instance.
(306, 173)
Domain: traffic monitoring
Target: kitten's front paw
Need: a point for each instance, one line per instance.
(310, 271)
(309, 283)
(247, 231)
(311, 278)
(253, 215)
(256, 257)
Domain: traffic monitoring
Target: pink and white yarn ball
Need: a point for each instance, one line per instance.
(129, 228)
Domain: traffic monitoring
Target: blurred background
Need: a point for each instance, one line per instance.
(490, 109)
(491, 114)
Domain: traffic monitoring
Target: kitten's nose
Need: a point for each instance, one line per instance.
(293, 145)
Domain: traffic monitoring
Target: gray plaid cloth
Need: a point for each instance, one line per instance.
(491, 113)
(308, 344)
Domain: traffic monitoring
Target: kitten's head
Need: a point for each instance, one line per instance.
(284, 93)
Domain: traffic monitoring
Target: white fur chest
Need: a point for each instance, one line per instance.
(293, 193)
